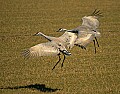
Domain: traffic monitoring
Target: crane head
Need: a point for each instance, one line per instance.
(61, 30)
(38, 34)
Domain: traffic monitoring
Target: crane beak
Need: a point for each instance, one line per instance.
(36, 34)
(61, 30)
(66, 52)
(57, 31)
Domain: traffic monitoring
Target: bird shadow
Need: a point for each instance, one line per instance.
(39, 87)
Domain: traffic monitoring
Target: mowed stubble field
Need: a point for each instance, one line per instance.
(83, 72)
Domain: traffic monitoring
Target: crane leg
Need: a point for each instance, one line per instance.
(63, 61)
(57, 62)
(97, 41)
(94, 46)
(83, 47)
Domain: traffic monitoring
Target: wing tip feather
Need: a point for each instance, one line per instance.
(26, 53)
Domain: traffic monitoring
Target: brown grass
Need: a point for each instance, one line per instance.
(84, 72)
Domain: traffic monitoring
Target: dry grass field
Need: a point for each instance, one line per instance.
(83, 72)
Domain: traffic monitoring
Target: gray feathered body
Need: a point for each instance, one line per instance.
(85, 35)
(68, 39)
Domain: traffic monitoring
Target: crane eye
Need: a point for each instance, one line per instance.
(60, 28)
(94, 30)
(59, 44)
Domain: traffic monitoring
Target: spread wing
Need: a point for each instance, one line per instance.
(91, 22)
(43, 49)
(84, 41)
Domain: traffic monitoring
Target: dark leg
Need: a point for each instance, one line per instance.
(94, 46)
(83, 47)
(63, 61)
(97, 41)
(57, 62)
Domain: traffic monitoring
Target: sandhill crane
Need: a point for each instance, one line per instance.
(52, 48)
(71, 36)
(84, 37)
(67, 39)
(87, 32)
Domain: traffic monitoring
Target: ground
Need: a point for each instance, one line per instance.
(83, 72)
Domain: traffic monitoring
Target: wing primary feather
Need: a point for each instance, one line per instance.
(94, 11)
(100, 13)
(97, 12)
(26, 53)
